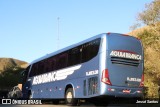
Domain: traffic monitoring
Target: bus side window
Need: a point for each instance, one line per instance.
(40, 68)
(90, 50)
(31, 72)
(46, 65)
(61, 60)
(25, 74)
(52, 64)
(34, 69)
(74, 56)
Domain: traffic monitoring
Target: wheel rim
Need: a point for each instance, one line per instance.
(30, 96)
(69, 97)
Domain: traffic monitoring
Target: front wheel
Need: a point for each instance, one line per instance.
(69, 98)
(29, 96)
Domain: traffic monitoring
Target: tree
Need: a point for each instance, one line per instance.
(10, 77)
(150, 37)
(150, 16)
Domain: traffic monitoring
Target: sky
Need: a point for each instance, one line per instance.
(30, 29)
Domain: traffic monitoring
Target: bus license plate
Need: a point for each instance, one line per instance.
(126, 91)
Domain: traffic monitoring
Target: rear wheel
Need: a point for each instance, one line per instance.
(69, 98)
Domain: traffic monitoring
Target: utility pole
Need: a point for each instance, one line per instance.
(58, 41)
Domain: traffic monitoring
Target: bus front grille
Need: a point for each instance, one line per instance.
(124, 61)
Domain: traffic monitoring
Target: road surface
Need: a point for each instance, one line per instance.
(83, 104)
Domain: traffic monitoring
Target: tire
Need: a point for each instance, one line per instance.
(69, 98)
(29, 95)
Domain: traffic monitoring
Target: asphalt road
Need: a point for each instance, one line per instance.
(55, 106)
(83, 104)
(74, 106)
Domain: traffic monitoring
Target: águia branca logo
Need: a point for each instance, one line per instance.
(125, 54)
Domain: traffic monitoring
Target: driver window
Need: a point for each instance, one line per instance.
(25, 74)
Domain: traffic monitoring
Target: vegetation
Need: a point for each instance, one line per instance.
(150, 37)
(10, 72)
(10, 77)
(10, 62)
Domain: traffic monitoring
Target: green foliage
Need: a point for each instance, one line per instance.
(10, 77)
(151, 62)
(147, 38)
(151, 14)
(150, 37)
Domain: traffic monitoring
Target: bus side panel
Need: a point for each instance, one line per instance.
(81, 81)
(49, 90)
(85, 80)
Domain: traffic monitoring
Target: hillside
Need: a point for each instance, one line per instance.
(10, 62)
(9, 69)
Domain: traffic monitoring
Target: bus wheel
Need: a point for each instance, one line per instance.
(30, 96)
(69, 98)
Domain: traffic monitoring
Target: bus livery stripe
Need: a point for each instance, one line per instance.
(54, 76)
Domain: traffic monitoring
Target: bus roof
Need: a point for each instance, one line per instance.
(72, 46)
(67, 48)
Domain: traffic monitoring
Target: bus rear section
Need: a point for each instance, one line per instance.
(123, 73)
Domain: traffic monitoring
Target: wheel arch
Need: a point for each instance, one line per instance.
(70, 85)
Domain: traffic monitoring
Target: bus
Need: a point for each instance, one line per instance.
(108, 64)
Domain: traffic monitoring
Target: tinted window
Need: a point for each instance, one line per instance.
(53, 64)
(77, 55)
(46, 65)
(34, 70)
(62, 60)
(41, 67)
(25, 74)
(90, 50)
(74, 56)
